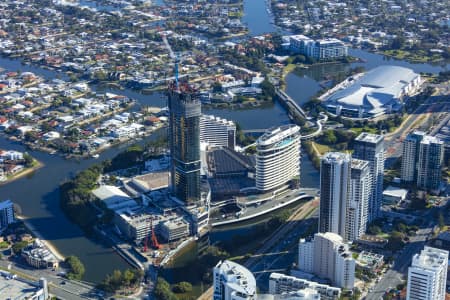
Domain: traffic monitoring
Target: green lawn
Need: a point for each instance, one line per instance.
(421, 56)
(322, 148)
(358, 130)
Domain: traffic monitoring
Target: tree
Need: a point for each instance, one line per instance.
(182, 287)
(119, 280)
(441, 221)
(374, 229)
(398, 43)
(217, 87)
(76, 267)
(162, 290)
(395, 241)
(268, 89)
(28, 160)
(328, 137)
(17, 247)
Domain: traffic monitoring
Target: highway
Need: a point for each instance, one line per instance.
(259, 206)
(394, 139)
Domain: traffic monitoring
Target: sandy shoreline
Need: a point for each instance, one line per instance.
(23, 173)
(36, 233)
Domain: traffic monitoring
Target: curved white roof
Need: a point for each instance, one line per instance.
(277, 134)
(376, 88)
(238, 278)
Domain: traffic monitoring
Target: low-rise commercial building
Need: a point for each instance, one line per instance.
(114, 198)
(13, 287)
(134, 225)
(39, 256)
(370, 261)
(149, 182)
(393, 195)
(172, 230)
(280, 284)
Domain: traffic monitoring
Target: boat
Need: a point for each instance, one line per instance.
(95, 155)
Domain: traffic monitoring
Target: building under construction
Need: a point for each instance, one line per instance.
(184, 139)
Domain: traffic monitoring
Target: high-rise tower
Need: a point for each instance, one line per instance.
(422, 160)
(334, 189)
(427, 275)
(184, 141)
(358, 200)
(370, 147)
(277, 157)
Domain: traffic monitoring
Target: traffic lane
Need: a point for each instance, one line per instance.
(395, 275)
(65, 295)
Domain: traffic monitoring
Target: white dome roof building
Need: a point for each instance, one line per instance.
(377, 92)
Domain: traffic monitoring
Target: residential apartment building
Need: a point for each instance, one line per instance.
(331, 259)
(305, 294)
(6, 213)
(410, 153)
(184, 140)
(370, 147)
(427, 275)
(327, 49)
(335, 168)
(288, 286)
(217, 131)
(422, 160)
(277, 157)
(321, 49)
(356, 216)
(233, 282)
(299, 43)
(429, 164)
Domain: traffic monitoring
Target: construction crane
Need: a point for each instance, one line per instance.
(154, 240)
(155, 244)
(173, 57)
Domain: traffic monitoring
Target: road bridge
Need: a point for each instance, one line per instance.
(285, 98)
(320, 122)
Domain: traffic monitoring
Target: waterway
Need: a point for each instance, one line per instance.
(257, 17)
(38, 198)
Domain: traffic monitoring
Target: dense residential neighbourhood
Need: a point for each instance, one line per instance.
(226, 149)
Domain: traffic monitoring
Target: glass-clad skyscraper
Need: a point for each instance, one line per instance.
(184, 140)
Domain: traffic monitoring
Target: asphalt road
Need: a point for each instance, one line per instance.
(399, 271)
(286, 253)
(393, 140)
(285, 238)
(58, 286)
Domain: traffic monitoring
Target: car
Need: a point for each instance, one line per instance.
(62, 282)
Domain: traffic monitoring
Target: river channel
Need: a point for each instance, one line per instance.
(38, 194)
